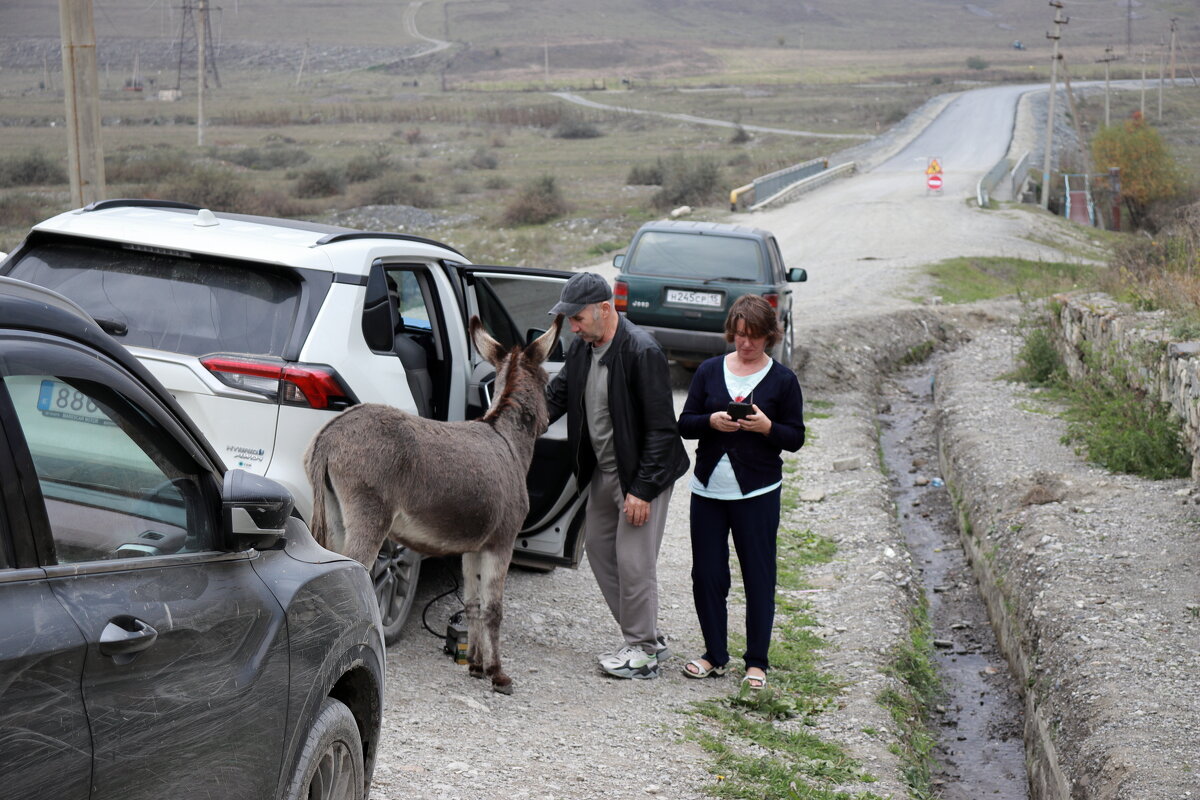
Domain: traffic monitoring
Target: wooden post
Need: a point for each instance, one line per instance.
(85, 156)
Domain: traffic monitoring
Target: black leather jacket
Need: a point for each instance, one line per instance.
(650, 454)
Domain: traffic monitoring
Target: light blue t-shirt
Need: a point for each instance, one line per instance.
(722, 484)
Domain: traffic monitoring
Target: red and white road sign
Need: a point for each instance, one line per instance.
(934, 182)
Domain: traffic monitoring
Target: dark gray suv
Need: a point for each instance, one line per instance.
(167, 628)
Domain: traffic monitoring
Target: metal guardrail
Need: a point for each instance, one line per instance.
(988, 183)
(1019, 175)
(769, 185)
(806, 184)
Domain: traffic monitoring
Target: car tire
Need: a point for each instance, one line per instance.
(330, 766)
(395, 575)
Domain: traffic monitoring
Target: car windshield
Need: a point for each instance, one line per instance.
(171, 302)
(688, 255)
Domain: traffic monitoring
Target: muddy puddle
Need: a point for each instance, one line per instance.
(978, 722)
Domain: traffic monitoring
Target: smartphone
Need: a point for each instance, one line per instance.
(739, 410)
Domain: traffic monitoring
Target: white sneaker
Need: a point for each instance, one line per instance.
(631, 662)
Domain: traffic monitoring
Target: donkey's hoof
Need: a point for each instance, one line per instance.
(475, 672)
(502, 685)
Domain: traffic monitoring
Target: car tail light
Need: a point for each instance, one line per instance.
(288, 384)
(621, 295)
(772, 298)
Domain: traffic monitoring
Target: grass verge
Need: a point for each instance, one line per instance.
(966, 280)
(758, 739)
(909, 703)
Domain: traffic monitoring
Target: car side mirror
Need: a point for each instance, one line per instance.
(797, 275)
(556, 354)
(254, 510)
(618, 260)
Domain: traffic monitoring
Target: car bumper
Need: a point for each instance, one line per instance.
(685, 345)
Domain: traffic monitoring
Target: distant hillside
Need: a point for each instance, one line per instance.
(670, 35)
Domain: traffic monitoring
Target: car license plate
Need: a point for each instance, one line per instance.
(691, 298)
(63, 401)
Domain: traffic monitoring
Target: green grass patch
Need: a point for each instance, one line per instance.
(756, 756)
(966, 280)
(909, 703)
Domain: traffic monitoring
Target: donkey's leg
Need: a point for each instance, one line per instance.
(470, 568)
(365, 519)
(494, 570)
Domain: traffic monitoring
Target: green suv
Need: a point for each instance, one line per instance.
(678, 280)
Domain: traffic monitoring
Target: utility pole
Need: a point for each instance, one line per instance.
(1059, 21)
(1108, 59)
(1162, 71)
(85, 156)
(1174, 22)
(1143, 106)
(201, 30)
(303, 58)
(1129, 28)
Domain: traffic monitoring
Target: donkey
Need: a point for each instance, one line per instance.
(440, 488)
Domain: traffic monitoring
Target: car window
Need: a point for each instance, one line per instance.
(687, 255)
(511, 307)
(170, 301)
(410, 301)
(114, 482)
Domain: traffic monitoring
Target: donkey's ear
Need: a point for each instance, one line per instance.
(540, 348)
(488, 347)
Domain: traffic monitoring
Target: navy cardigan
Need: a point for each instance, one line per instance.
(755, 458)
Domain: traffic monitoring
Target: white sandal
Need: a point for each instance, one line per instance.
(700, 671)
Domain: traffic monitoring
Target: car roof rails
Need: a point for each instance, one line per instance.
(351, 235)
(138, 202)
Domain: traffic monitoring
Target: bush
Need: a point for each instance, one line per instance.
(363, 168)
(1149, 175)
(320, 182)
(482, 159)
(646, 176)
(975, 62)
(740, 136)
(208, 187)
(32, 169)
(539, 201)
(147, 167)
(1039, 363)
(687, 183)
(496, 182)
(23, 210)
(268, 158)
(400, 190)
(576, 129)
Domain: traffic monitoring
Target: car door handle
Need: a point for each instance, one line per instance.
(124, 637)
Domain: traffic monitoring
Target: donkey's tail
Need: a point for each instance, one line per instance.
(316, 467)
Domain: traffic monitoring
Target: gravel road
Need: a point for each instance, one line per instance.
(571, 732)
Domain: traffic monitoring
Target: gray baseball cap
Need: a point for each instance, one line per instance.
(583, 289)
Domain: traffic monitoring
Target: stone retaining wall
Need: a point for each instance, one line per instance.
(1142, 343)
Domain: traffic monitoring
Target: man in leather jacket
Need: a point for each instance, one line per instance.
(616, 391)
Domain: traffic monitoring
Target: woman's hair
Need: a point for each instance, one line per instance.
(758, 317)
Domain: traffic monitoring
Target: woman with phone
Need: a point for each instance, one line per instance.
(745, 408)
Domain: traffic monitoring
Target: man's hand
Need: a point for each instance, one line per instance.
(637, 510)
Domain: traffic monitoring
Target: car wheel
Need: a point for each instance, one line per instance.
(331, 761)
(395, 575)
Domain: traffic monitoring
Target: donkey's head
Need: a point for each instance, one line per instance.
(520, 378)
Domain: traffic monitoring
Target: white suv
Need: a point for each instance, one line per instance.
(265, 328)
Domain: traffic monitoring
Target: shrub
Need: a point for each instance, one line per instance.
(320, 182)
(210, 187)
(646, 176)
(576, 129)
(32, 169)
(362, 168)
(539, 201)
(23, 210)
(687, 183)
(1039, 363)
(268, 158)
(496, 182)
(1148, 173)
(400, 190)
(740, 136)
(482, 159)
(975, 62)
(139, 166)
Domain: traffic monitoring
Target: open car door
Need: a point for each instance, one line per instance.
(513, 303)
